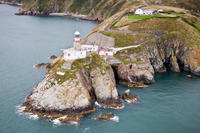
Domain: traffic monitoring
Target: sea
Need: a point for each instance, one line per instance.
(170, 105)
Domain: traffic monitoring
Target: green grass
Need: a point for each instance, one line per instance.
(143, 17)
(88, 63)
(193, 24)
(124, 55)
(123, 40)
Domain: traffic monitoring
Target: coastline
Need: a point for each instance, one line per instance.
(10, 3)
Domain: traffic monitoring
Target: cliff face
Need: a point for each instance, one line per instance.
(70, 97)
(175, 55)
(105, 88)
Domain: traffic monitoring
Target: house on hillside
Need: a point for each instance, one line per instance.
(144, 11)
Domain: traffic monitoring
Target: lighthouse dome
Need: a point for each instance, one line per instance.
(77, 33)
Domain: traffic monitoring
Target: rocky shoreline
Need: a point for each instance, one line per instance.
(22, 11)
(11, 3)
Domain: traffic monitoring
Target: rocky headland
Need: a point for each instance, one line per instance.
(144, 47)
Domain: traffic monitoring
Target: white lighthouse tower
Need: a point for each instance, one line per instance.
(77, 41)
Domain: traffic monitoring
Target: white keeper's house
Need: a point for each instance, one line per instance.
(145, 11)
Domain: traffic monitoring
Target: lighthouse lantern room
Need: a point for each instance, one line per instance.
(77, 41)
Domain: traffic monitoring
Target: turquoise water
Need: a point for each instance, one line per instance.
(171, 105)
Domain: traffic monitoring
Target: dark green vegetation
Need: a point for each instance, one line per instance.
(90, 62)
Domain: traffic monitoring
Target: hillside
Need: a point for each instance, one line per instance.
(98, 8)
(170, 40)
(91, 8)
(192, 5)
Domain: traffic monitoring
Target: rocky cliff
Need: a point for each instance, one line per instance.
(74, 92)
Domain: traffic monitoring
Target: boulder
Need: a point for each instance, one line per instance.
(53, 57)
(107, 116)
(127, 96)
(189, 76)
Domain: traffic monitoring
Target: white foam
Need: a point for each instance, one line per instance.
(33, 117)
(73, 123)
(115, 118)
(87, 129)
(97, 104)
(132, 101)
(56, 121)
(20, 109)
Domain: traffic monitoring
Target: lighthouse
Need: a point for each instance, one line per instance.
(77, 41)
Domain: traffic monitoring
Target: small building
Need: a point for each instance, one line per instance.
(90, 48)
(144, 11)
(106, 53)
(72, 54)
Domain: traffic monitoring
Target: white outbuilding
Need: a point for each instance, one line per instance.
(73, 54)
(106, 53)
(90, 48)
(144, 11)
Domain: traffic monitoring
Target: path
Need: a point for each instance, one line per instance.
(156, 33)
(146, 3)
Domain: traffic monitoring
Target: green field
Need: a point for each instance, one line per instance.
(143, 17)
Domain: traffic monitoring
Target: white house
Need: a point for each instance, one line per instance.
(144, 11)
(72, 54)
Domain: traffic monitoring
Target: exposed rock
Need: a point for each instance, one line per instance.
(53, 57)
(107, 116)
(105, 89)
(189, 76)
(38, 66)
(174, 53)
(133, 85)
(136, 73)
(136, 69)
(69, 98)
(67, 65)
(66, 119)
(174, 64)
(100, 39)
(22, 11)
(127, 96)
